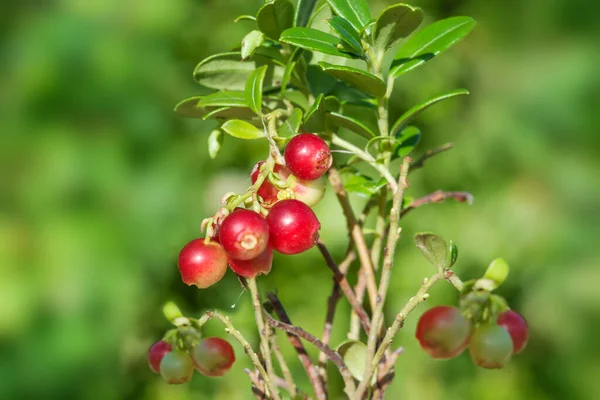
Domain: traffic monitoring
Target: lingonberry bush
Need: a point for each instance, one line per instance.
(322, 120)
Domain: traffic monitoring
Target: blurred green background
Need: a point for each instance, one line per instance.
(101, 185)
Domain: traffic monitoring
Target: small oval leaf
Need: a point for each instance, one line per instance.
(430, 42)
(251, 42)
(189, 108)
(215, 141)
(274, 18)
(434, 248)
(355, 11)
(254, 89)
(224, 99)
(497, 272)
(354, 354)
(406, 142)
(361, 79)
(395, 23)
(291, 125)
(346, 32)
(242, 129)
(350, 123)
(303, 11)
(313, 40)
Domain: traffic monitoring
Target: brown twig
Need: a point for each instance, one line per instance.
(428, 154)
(256, 384)
(285, 370)
(309, 367)
(438, 197)
(340, 278)
(386, 373)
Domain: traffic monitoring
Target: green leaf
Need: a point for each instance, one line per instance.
(215, 141)
(313, 108)
(313, 40)
(355, 11)
(189, 108)
(226, 72)
(354, 354)
(297, 98)
(242, 129)
(224, 99)
(229, 112)
(406, 142)
(319, 82)
(419, 108)
(245, 18)
(346, 32)
(287, 74)
(292, 124)
(355, 182)
(303, 12)
(274, 18)
(497, 272)
(430, 42)
(251, 42)
(350, 123)
(453, 254)
(362, 80)
(434, 248)
(254, 89)
(395, 23)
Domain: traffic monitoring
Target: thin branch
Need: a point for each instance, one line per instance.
(345, 286)
(285, 370)
(356, 233)
(428, 154)
(309, 367)
(334, 356)
(256, 385)
(438, 197)
(386, 273)
(359, 290)
(386, 373)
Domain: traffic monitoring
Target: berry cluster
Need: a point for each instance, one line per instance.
(281, 218)
(211, 357)
(444, 332)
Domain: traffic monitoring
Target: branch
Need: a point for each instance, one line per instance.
(309, 367)
(333, 355)
(438, 197)
(256, 385)
(387, 373)
(289, 380)
(345, 286)
(428, 154)
(386, 273)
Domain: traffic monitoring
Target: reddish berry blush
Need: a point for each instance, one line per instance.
(213, 356)
(255, 266)
(202, 264)
(516, 326)
(443, 332)
(268, 191)
(244, 234)
(294, 227)
(308, 156)
(156, 354)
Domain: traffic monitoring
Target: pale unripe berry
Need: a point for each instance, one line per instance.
(176, 367)
(490, 347)
(443, 332)
(213, 356)
(156, 354)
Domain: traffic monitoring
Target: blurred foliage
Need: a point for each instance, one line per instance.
(101, 185)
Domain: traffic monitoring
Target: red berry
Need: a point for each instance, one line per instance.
(516, 326)
(213, 356)
(244, 234)
(443, 332)
(156, 354)
(268, 191)
(490, 347)
(176, 367)
(202, 264)
(294, 227)
(308, 156)
(256, 266)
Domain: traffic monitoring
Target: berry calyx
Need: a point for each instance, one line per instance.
(255, 266)
(516, 326)
(443, 332)
(267, 191)
(294, 227)
(490, 347)
(244, 234)
(308, 156)
(176, 367)
(156, 353)
(213, 356)
(202, 264)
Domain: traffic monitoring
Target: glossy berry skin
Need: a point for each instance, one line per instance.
(267, 191)
(244, 234)
(293, 226)
(202, 264)
(256, 266)
(516, 326)
(490, 347)
(156, 354)
(308, 156)
(213, 356)
(176, 367)
(443, 332)
(308, 192)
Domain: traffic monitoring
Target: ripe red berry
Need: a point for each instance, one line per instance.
(490, 347)
(176, 367)
(268, 191)
(156, 354)
(213, 356)
(516, 326)
(202, 264)
(256, 266)
(443, 332)
(244, 234)
(293, 226)
(308, 156)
